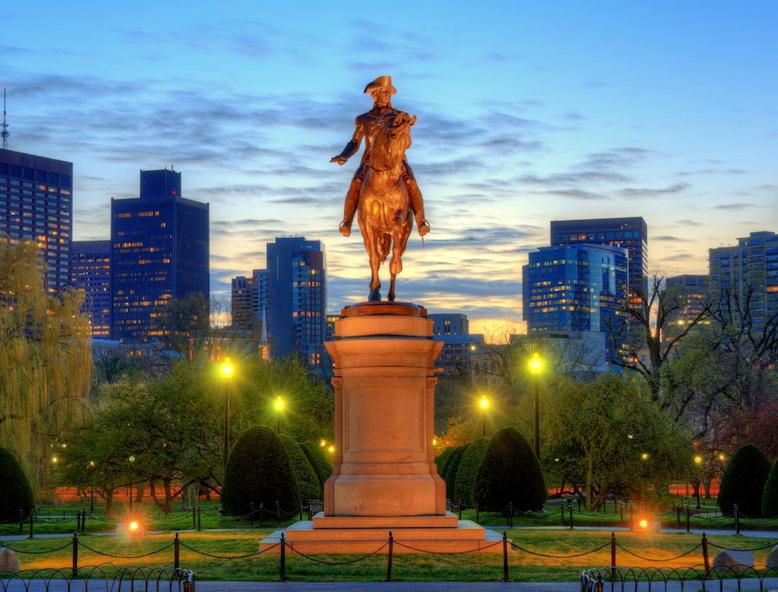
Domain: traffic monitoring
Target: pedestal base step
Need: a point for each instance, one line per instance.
(466, 537)
(448, 520)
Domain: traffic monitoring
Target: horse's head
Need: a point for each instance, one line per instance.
(391, 142)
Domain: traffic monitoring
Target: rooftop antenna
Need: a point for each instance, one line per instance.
(4, 133)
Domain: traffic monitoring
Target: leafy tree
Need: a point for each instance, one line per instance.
(258, 472)
(612, 438)
(510, 472)
(306, 481)
(15, 493)
(318, 461)
(185, 324)
(467, 473)
(744, 481)
(770, 494)
(442, 459)
(45, 360)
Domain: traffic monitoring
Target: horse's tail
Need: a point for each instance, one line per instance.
(384, 246)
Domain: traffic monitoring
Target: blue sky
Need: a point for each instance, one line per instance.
(527, 112)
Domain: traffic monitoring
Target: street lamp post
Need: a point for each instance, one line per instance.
(278, 406)
(227, 372)
(483, 405)
(536, 368)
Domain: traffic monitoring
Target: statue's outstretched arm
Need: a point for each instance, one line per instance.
(353, 144)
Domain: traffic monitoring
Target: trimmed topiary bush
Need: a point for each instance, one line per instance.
(770, 494)
(744, 481)
(450, 472)
(318, 461)
(442, 459)
(258, 471)
(510, 472)
(308, 485)
(468, 470)
(15, 490)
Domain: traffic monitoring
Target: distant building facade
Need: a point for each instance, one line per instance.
(693, 293)
(577, 288)
(627, 233)
(90, 271)
(459, 345)
(297, 298)
(160, 251)
(36, 204)
(250, 301)
(748, 272)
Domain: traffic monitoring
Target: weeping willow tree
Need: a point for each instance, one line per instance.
(45, 361)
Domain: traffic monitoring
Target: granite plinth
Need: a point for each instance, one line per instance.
(384, 476)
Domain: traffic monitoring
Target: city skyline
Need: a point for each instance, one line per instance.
(664, 112)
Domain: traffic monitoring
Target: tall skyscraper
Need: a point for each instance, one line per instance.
(160, 244)
(577, 287)
(453, 329)
(747, 275)
(627, 233)
(36, 204)
(90, 271)
(297, 298)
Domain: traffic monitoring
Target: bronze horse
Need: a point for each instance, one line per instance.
(384, 214)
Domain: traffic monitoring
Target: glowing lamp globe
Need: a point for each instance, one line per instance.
(698, 460)
(535, 364)
(483, 403)
(279, 404)
(227, 369)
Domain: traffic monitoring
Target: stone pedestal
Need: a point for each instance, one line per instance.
(384, 475)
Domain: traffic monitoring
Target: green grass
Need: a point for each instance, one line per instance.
(523, 566)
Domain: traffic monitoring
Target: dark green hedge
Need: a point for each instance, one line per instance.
(510, 472)
(468, 470)
(450, 472)
(744, 481)
(15, 490)
(258, 471)
(308, 485)
(318, 461)
(770, 494)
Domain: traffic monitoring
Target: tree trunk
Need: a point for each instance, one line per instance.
(589, 485)
(108, 495)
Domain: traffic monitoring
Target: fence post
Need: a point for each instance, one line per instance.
(389, 556)
(678, 515)
(570, 509)
(282, 566)
(705, 557)
(194, 516)
(737, 519)
(688, 520)
(477, 512)
(613, 556)
(278, 514)
(176, 552)
(21, 521)
(510, 514)
(199, 518)
(459, 505)
(32, 524)
(75, 555)
(301, 511)
(505, 577)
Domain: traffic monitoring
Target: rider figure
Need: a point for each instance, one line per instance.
(381, 90)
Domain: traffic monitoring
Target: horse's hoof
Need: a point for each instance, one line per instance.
(375, 296)
(391, 297)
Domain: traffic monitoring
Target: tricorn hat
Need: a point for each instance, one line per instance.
(380, 82)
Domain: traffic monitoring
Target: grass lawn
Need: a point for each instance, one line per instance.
(524, 567)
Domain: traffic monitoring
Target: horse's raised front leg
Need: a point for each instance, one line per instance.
(370, 237)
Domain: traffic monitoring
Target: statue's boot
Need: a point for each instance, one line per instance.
(350, 206)
(417, 204)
